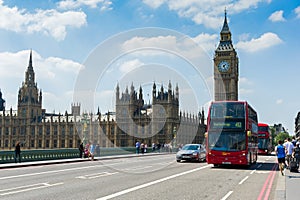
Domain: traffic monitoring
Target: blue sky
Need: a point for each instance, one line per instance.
(99, 43)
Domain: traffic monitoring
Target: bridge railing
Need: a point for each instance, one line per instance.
(68, 153)
(53, 154)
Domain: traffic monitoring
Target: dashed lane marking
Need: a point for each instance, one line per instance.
(26, 188)
(97, 175)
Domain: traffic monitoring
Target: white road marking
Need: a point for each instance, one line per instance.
(137, 168)
(150, 183)
(242, 181)
(48, 172)
(252, 172)
(262, 172)
(97, 175)
(259, 166)
(227, 195)
(27, 188)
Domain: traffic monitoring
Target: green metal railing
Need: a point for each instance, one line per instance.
(53, 154)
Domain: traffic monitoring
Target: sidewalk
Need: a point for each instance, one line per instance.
(288, 186)
(292, 185)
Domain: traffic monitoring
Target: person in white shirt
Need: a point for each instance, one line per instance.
(289, 147)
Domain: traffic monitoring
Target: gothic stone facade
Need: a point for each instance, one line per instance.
(133, 120)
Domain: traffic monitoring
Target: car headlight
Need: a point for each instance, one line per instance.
(195, 153)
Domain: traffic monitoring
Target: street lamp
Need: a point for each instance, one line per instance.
(174, 136)
(85, 121)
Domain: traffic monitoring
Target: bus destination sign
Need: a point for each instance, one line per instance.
(227, 125)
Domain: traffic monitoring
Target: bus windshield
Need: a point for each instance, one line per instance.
(227, 141)
(227, 110)
(263, 128)
(263, 143)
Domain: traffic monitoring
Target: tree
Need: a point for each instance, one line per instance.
(281, 136)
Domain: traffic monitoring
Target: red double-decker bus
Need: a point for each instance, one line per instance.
(265, 145)
(232, 133)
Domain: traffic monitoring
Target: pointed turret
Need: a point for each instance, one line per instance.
(141, 93)
(117, 93)
(29, 75)
(30, 61)
(2, 102)
(225, 32)
(225, 28)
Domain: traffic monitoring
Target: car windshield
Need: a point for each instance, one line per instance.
(190, 147)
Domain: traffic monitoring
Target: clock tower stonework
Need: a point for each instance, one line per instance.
(226, 67)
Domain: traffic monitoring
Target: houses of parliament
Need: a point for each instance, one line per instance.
(133, 120)
(159, 122)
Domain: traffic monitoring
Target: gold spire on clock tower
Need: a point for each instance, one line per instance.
(226, 67)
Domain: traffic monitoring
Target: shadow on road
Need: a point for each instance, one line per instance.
(265, 166)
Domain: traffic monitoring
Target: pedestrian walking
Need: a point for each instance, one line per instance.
(153, 147)
(289, 147)
(92, 151)
(18, 152)
(143, 148)
(137, 147)
(81, 150)
(280, 153)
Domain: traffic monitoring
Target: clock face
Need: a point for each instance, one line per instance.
(223, 66)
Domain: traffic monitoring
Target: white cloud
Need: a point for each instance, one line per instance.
(277, 16)
(245, 81)
(72, 4)
(50, 74)
(154, 3)
(205, 12)
(164, 42)
(297, 11)
(172, 45)
(279, 101)
(265, 41)
(64, 64)
(206, 41)
(49, 22)
(246, 86)
(244, 91)
(130, 65)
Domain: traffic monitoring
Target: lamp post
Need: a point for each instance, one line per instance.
(85, 121)
(174, 136)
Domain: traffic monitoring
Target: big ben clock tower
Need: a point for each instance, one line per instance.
(226, 67)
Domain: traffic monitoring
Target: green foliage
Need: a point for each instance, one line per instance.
(281, 136)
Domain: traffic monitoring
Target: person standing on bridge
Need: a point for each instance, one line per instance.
(18, 152)
(280, 153)
(81, 150)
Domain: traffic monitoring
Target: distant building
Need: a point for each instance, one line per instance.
(2, 102)
(297, 125)
(159, 122)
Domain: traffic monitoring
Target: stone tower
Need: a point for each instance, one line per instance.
(29, 97)
(2, 102)
(226, 67)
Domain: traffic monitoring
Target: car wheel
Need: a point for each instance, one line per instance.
(200, 159)
(178, 160)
